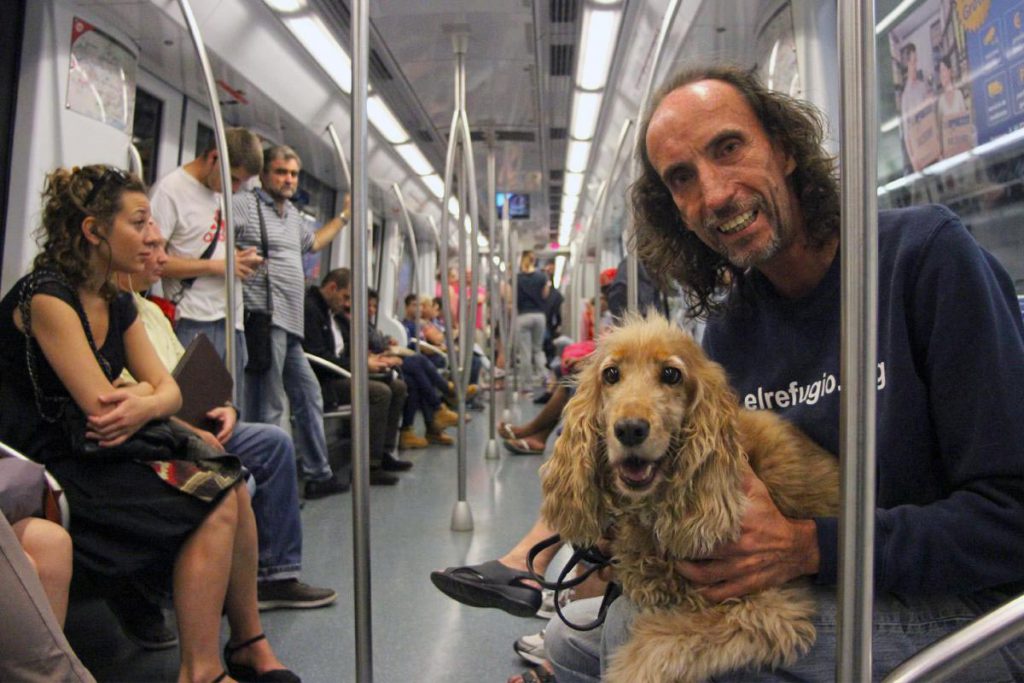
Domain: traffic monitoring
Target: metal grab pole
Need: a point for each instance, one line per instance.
(507, 314)
(225, 195)
(859, 275)
(593, 237)
(632, 265)
(341, 154)
(945, 657)
(415, 261)
(513, 241)
(360, 346)
(491, 451)
(460, 359)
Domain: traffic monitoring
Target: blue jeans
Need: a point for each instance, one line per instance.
(903, 626)
(186, 330)
(267, 452)
(291, 376)
(424, 383)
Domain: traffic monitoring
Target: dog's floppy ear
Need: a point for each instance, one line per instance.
(710, 464)
(571, 478)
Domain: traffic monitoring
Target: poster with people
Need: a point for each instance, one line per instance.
(932, 76)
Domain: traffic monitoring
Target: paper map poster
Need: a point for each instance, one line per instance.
(101, 77)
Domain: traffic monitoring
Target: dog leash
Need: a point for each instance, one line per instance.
(592, 556)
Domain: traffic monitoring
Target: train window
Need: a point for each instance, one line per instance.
(204, 137)
(317, 201)
(951, 110)
(146, 128)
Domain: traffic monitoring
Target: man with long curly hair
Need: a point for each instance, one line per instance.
(738, 202)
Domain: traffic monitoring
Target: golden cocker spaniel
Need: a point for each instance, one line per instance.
(656, 445)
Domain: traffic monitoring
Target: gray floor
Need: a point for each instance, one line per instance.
(418, 633)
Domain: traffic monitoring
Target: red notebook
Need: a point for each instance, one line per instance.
(204, 381)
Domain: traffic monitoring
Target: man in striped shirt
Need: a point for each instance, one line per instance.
(289, 374)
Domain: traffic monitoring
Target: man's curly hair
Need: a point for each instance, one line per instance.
(662, 241)
(63, 247)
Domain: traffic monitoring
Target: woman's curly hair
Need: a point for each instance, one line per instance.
(662, 241)
(69, 196)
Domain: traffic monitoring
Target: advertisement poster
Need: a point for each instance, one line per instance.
(101, 78)
(932, 72)
(994, 31)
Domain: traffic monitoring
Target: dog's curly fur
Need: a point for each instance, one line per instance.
(673, 491)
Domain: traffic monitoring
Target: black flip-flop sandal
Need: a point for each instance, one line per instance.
(490, 584)
(537, 674)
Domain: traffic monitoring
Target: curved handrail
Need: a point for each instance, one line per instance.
(343, 162)
(225, 194)
(945, 657)
(414, 250)
(632, 265)
(135, 160)
(327, 365)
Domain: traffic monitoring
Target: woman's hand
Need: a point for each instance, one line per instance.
(125, 413)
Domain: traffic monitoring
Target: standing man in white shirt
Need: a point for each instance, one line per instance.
(186, 206)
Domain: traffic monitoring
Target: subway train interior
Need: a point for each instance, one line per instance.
(489, 128)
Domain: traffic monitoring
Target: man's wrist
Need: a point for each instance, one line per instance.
(806, 545)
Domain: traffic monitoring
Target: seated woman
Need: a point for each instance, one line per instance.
(65, 336)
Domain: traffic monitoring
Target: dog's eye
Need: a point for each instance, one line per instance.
(610, 375)
(670, 375)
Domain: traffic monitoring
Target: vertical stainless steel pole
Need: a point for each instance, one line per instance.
(360, 345)
(859, 275)
(508, 313)
(632, 265)
(225, 195)
(414, 251)
(495, 298)
(594, 233)
(514, 331)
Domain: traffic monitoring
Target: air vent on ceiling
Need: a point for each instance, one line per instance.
(378, 72)
(424, 135)
(561, 60)
(505, 135)
(556, 175)
(557, 133)
(564, 11)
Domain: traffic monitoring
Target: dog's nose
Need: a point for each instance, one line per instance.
(632, 432)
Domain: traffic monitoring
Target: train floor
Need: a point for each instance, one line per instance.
(419, 634)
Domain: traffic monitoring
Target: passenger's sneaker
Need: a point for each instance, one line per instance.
(292, 594)
(325, 487)
(547, 603)
(143, 623)
(408, 440)
(531, 648)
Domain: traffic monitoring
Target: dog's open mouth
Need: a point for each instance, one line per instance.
(637, 473)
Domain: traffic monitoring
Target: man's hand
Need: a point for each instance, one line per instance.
(246, 262)
(227, 418)
(376, 364)
(771, 550)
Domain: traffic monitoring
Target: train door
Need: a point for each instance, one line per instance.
(10, 46)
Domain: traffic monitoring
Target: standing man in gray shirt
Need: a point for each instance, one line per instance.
(289, 374)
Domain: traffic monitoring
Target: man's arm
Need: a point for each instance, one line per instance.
(327, 233)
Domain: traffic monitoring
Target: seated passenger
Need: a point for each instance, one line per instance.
(65, 336)
(326, 331)
(265, 450)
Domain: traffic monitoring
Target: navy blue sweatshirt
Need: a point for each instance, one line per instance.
(950, 383)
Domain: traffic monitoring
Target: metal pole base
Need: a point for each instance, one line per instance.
(462, 516)
(492, 450)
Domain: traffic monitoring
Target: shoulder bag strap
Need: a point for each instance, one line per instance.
(265, 249)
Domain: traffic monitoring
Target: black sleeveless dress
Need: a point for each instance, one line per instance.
(125, 520)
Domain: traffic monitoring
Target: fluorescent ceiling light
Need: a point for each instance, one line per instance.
(322, 46)
(453, 206)
(382, 118)
(434, 184)
(572, 184)
(569, 204)
(597, 46)
(481, 241)
(564, 229)
(893, 16)
(414, 157)
(576, 156)
(586, 106)
(286, 5)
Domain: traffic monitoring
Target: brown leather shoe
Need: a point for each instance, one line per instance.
(408, 440)
(440, 438)
(445, 417)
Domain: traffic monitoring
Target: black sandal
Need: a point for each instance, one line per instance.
(247, 674)
(538, 674)
(490, 584)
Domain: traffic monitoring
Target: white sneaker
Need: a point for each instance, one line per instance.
(547, 604)
(531, 648)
